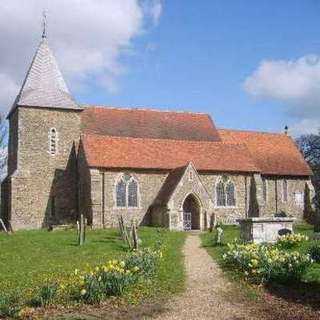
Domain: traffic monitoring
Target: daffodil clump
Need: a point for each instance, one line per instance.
(262, 263)
(291, 240)
(115, 276)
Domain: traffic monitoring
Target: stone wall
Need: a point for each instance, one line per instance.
(43, 186)
(104, 211)
(241, 183)
(275, 196)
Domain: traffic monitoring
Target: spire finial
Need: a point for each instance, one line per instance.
(44, 24)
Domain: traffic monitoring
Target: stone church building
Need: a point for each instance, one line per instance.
(163, 168)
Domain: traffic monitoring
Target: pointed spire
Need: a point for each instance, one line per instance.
(44, 85)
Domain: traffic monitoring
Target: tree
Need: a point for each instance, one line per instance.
(253, 201)
(310, 147)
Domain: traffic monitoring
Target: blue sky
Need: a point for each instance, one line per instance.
(250, 64)
(200, 53)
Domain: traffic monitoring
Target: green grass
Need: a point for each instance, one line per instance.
(29, 258)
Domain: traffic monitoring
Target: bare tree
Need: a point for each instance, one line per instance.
(3, 146)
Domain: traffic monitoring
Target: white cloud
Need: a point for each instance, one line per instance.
(88, 37)
(295, 83)
(305, 126)
(153, 8)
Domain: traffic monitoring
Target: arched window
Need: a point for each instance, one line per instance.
(231, 200)
(127, 192)
(132, 194)
(121, 193)
(53, 141)
(225, 193)
(221, 197)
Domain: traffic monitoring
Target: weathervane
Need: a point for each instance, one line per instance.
(44, 24)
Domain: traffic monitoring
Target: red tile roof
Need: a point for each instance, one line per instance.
(144, 123)
(125, 152)
(274, 154)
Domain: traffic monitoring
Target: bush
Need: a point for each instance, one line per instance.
(314, 252)
(114, 277)
(291, 240)
(263, 263)
(9, 305)
(46, 295)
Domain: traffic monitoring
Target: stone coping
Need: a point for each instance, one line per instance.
(266, 219)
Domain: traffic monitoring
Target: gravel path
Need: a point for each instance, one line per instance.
(208, 295)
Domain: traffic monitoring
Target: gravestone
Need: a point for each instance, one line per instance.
(264, 229)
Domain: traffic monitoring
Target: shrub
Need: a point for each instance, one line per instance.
(9, 305)
(263, 263)
(45, 296)
(291, 240)
(314, 252)
(114, 277)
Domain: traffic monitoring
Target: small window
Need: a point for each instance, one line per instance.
(127, 192)
(264, 189)
(284, 190)
(190, 175)
(53, 141)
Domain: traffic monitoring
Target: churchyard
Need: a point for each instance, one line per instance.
(45, 271)
(48, 274)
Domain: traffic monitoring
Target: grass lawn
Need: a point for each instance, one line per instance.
(29, 258)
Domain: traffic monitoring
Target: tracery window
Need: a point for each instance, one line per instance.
(225, 194)
(221, 196)
(53, 141)
(127, 192)
(231, 200)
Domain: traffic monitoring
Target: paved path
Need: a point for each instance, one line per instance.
(208, 295)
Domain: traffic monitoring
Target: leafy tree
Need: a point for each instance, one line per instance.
(310, 148)
(253, 203)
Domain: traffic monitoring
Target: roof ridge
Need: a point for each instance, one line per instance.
(251, 131)
(157, 139)
(143, 109)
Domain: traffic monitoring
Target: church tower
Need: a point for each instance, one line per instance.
(44, 127)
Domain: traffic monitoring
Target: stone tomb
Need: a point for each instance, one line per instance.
(264, 229)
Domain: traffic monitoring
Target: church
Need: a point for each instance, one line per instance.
(162, 168)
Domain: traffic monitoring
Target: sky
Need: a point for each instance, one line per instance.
(250, 64)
